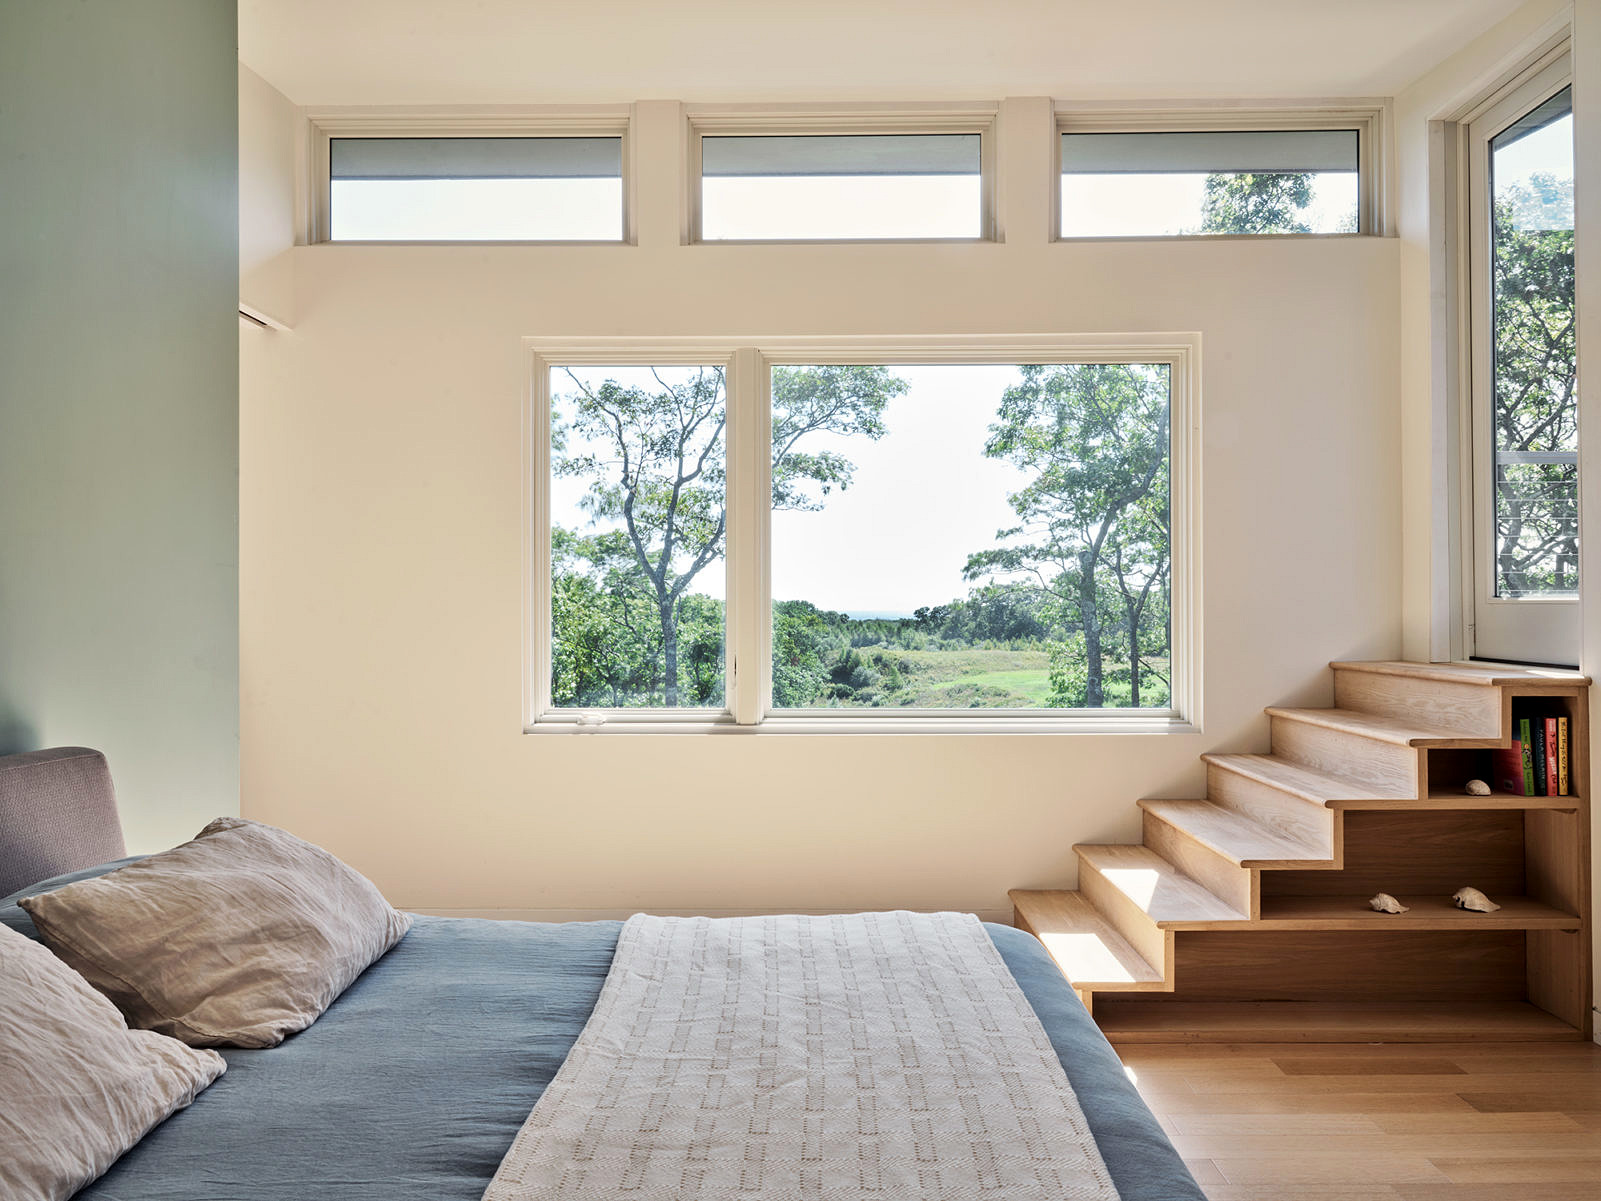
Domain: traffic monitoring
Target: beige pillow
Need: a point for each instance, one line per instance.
(238, 938)
(77, 1087)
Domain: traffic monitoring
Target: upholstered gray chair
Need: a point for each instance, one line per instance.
(58, 812)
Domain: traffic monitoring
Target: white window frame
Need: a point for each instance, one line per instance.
(710, 121)
(552, 121)
(1459, 263)
(748, 658)
(1370, 118)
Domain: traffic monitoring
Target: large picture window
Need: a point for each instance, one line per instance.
(768, 537)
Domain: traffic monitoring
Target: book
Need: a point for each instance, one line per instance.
(1537, 755)
(1549, 767)
(1525, 743)
(1562, 756)
(1507, 768)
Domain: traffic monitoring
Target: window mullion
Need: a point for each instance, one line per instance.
(537, 515)
(749, 467)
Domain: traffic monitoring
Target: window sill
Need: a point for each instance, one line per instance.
(1110, 722)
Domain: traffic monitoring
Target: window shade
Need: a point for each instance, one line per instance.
(1222, 152)
(476, 158)
(853, 154)
(1536, 119)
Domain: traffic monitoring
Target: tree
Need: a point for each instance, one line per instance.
(1093, 437)
(1257, 202)
(654, 460)
(1535, 407)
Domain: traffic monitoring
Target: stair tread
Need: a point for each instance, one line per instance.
(1234, 836)
(1089, 951)
(1380, 727)
(1163, 893)
(1485, 675)
(1308, 782)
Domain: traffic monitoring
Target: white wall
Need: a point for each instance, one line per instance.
(269, 144)
(118, 417)
(382, 478)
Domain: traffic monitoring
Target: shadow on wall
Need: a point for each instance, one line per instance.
(16, 732)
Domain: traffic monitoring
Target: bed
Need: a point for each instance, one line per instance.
(413, 1084)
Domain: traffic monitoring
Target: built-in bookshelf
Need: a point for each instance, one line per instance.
(1245, 915)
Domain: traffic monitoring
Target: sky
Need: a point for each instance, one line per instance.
(923, 498)
(1548, 150)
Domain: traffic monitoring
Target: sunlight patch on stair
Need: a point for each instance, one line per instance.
(1138, 883)
(1085, 957)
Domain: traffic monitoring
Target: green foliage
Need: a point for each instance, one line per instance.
(627, 629)
(1257, 203)
(1535, 387)
(1093, 519)
(1068, 608)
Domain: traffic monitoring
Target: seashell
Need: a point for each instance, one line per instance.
(1385, 903)
(1478, 788)
(1472, 898)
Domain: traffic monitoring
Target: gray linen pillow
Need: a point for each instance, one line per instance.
(77, 1087)
(238, 938)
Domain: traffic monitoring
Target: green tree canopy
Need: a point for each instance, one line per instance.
(654, 460)
(1093, 438)
(1257, 202)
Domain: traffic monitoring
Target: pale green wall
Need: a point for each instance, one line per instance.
(119, 383)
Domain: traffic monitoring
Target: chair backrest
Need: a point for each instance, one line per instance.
(58, 813)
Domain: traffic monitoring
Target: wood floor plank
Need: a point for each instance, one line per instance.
(1264, 1102)
(1584, 1169)
(1518, 1145)
(1291, 1125)
(1359, 1064)
(1463, 1123)
(1330, 1169)
(1544, 1101)
(1525, 1191)
(1447, 1122)
(1554, 1086)
(1205, 1172)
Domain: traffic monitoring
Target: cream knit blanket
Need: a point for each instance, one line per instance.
(873, 1057)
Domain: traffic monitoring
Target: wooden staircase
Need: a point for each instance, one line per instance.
(1244, 916)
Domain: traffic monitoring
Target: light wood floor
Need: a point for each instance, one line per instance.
(1438, 1122)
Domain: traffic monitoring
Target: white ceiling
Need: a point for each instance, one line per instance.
(327, 52)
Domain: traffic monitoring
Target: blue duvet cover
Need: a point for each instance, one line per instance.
(413, 1084)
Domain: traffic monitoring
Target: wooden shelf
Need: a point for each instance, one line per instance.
(1446, 797)
(1426, 913)
(1326, 1022)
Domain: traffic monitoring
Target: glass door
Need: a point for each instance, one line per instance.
(1523, 359)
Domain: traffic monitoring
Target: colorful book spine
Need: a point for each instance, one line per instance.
(1537, 754)
(1549, 767)
(1525, 741)
(1508, 766)
(1562, 756)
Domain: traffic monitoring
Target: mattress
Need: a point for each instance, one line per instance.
(413, 1084)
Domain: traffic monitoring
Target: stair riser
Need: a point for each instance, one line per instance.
(1474, 710)
(1144, 935)
(1231, 882)
(1293, 816)
(1338, 752)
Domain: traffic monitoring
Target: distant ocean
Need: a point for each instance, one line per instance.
(877, 615)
